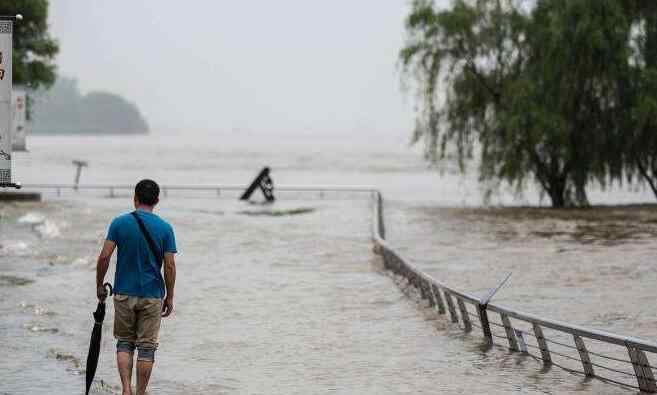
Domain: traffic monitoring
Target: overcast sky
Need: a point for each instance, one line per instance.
(285, 65)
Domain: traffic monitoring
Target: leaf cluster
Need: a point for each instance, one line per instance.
(545, 91)
(34, 48)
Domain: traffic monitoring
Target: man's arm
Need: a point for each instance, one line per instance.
(101, 267)
(170, 282)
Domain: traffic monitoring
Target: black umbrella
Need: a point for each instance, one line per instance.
(94, 344)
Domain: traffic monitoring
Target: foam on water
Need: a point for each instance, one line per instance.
(48, 229)
(32, 218)
(14, 246)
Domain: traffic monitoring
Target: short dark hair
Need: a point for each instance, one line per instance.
(147, 192)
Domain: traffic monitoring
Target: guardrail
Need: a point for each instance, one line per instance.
(527, 333)
(112, 189)
(551, 342)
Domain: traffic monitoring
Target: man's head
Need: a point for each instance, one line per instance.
(147, 193)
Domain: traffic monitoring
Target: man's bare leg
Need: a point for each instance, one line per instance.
(143, 375)
(124, 362)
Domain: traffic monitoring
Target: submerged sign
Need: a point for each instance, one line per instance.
(5, 101)
(18, 104)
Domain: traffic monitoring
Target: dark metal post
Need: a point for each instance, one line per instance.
(382, 229)
(78, 171)
(485, 324)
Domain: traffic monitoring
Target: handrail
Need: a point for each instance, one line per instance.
(111, 188)
(431, 288)
(595, 334)
(232, 187)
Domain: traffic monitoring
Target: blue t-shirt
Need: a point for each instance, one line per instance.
(137, 272)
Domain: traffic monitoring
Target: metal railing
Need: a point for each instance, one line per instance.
(114, 189)
(606, 356)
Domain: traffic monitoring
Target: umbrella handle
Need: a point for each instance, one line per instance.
(107, 293)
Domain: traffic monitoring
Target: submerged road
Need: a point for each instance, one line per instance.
(267, 303)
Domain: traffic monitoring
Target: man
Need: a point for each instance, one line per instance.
(140, 300)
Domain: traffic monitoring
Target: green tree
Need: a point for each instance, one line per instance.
(34, 48)
(532, 89)
(636, 128)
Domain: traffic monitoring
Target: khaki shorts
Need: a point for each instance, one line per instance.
(137, 320)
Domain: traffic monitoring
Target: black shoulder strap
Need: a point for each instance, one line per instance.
(147, 236)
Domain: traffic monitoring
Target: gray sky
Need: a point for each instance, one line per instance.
(276, 66)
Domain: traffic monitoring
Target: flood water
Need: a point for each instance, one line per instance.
(290, 298)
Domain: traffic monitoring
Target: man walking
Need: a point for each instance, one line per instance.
(144, 240)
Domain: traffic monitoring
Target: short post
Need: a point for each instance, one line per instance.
(435, 291)
(382, 228)
(584, 356)
(522, 344)
(542, 344)
(386, 257)
(423, 289)
(510, 333)
(79, 164)
(451, 308)
(642, 369)
(432, 296)
(485, 324)
(465, 317)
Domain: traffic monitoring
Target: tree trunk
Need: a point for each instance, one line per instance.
(558, 199)
(557, 191)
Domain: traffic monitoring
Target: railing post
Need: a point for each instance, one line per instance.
(423, 289)
(388, 261)
(432, 296)
(464, 315)
(418, 285)
(450, 307)
(439, 300)
(382, 228)
(111, 192)
(584, 356)
(412, 280)
(642, 368)
(417, 282)
(510, 333)
(397, 265)
(542, 344)
(485, 324)
(522, 344)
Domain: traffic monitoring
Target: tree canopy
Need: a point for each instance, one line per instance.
(34, 48)
(559, 92)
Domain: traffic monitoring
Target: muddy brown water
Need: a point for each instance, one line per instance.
(290, 298)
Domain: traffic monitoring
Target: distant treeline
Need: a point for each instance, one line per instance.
(64, 110)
